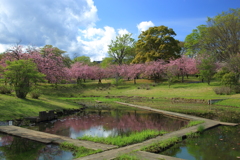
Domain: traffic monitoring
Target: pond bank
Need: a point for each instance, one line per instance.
(180, 133)
(114, 152)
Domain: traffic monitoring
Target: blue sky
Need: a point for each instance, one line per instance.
(181, 15)
(86, 27)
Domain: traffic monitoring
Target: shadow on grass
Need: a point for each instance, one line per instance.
(13, 108)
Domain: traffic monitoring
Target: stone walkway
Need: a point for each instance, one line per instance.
(51, 138)
(110, 151)
(111, 154)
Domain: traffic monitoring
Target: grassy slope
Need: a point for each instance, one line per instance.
(12, 107)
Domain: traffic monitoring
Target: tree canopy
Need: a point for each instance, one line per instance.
(49, 48)
(220, 37)
(224, 34)
(106, 62)
(194, 42)
(157, 43)
(21, 74)
(121, 48)
(82, 59)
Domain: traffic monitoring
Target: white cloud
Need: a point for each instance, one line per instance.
(143, 26)
(95, 41)
(45, 22)
(66, 24)
(4, 47)
(123, 31)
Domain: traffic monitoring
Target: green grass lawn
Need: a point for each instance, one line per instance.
(63, 97)
(12, 107)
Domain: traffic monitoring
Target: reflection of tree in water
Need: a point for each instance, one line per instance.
(6, 139)
(21, 149)
(16, 148)
(216, 144)
(119, 120)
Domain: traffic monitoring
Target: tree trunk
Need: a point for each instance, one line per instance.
(78, 81)
(134, 80)
(22, 89)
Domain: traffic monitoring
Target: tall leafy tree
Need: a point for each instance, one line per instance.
(183, 48)
(121, 48)
(207, 67)
(106, 62)
(223, 34)
(22, 74)
(157, 43)
(82, 59)
(194, 42)
(220, 37)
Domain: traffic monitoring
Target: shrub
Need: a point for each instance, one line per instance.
(222, 90)
(5, 89)
(35, 93)
(229, 79)
(117, 82)
(200, 128)
(236, 89)
(63, 81)
(154, 84)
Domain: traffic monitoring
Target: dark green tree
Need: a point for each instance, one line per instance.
(157, 43)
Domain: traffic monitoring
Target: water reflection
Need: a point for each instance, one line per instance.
(15, 148)
(216, 144)
(104, 123)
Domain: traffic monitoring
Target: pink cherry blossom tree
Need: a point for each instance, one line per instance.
(81, 72)
(155, 69)
(134, 71)
(185, 66)
(49, 64)
(98, 73)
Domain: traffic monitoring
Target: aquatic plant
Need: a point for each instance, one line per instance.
(192, 134)
(162, 145)
(78, 151)
(200, 128)
(125, 140)
(194, 123)
(126, 157)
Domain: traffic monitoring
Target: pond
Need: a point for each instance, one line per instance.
(219, 143)
(15, 148)
(104, 123)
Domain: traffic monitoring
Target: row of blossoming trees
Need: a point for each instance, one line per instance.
(54, 70)
(52, 66)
